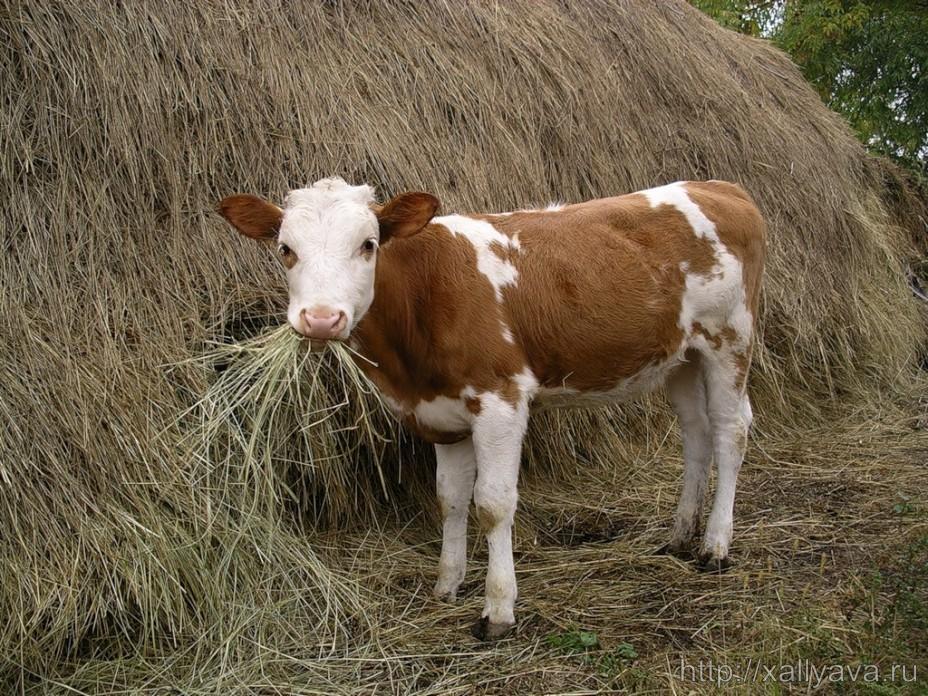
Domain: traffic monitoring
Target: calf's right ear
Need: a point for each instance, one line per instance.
(252, 216)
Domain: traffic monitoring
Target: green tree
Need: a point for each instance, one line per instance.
(868, 60)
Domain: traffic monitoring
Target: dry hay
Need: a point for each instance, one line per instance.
(127, 560)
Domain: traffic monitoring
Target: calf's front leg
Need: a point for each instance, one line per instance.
(455, 472)
(498, 431)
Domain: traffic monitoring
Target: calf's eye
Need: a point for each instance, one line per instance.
(368, 246)
(283, 250)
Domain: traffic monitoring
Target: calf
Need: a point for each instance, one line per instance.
(468, 321)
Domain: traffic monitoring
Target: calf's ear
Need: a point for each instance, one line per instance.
(405, 215)
(252, 216)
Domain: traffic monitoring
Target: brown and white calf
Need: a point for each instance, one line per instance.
(470, 320)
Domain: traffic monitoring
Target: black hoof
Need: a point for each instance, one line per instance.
(708, 564)
(684, 553)
(484, 630)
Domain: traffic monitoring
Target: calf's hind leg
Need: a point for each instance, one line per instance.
(687, 393)
(730, 417)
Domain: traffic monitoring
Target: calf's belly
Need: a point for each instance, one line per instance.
(645, 380)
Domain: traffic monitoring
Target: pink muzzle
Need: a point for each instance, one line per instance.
(322, 323)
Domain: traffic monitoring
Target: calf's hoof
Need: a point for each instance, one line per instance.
(710, 563)
(484, 630)
(445, 594)
(683, 551)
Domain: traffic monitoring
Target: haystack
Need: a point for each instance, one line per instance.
(126, 560)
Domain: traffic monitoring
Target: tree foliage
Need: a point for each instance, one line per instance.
(868, 60)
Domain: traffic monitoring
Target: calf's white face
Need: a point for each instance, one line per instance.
(328, 242)
(327, 237)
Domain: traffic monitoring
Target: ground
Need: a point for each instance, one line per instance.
(831, 580)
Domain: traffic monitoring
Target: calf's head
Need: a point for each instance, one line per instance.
(327, 237)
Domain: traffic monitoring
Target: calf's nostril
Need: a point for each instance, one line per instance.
(322, 322)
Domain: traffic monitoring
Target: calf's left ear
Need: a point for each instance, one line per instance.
(405, 215)
(252, 216)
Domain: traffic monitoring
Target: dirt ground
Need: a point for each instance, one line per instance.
(829, 582)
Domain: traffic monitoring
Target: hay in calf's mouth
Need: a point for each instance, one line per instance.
(291, 414)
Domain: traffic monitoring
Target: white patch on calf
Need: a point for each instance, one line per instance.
(446, 414)
(675, 195)
(527, 383)
(395, 406)
(747, 413)
(453, 415)
(507, 333)
(552, 207)
(481, 234)
(716, 300)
